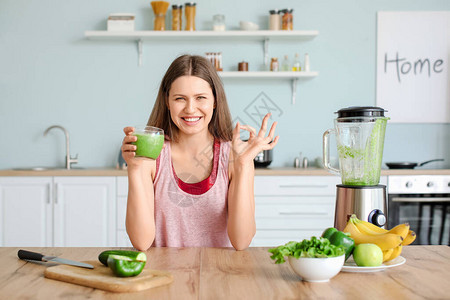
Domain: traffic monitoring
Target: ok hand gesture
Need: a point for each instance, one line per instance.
(245, 152)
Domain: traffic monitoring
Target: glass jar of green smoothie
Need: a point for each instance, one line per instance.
(150, 141)
(359, 134)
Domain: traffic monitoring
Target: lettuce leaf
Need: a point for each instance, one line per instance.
(313, 248)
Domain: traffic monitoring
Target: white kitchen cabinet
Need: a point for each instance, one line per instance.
(122, 193)
(84, 211)
(25, 212)
(292, 208)
(61, 211)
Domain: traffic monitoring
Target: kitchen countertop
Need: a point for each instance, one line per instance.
(223, 273)
(288, 171)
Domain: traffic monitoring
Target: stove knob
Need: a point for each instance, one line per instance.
(430, 184)
(377, 217)
(408, 184)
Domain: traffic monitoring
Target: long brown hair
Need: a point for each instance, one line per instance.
(220, 125)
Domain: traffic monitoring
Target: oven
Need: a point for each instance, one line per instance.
(423, 201)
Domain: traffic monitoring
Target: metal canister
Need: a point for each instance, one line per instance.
(274, 20)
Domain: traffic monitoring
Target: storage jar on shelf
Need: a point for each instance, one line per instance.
(274, 20)
(189, 12)
(274, 64)
(160, 9)
(177, 17)
(219, 23)
(287, 21)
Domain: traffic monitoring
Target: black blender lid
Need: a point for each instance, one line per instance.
(361, 111)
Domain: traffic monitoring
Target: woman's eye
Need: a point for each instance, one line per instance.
(179, 98)
(201, 97)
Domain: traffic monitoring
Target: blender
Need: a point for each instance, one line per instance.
(359, 134)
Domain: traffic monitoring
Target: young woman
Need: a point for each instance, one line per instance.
(199, 192)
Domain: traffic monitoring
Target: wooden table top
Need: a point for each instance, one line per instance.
(223, 273)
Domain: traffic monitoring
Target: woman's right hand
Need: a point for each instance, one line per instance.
(128, 149)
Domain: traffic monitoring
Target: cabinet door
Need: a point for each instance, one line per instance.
(84, 211)
(25, 212)
(122, 193)
(291, 218)
(292, 208)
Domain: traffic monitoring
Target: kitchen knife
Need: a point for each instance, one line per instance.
(28, 255)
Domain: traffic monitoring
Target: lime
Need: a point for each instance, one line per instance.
(368, 255)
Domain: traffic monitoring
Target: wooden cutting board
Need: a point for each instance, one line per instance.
(102, 277)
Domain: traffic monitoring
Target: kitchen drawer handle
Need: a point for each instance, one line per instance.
(55, 197)
(48, 193)
(420, 199)
(302, 186)
(294, 213)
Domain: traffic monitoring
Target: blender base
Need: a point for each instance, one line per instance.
(368, 203)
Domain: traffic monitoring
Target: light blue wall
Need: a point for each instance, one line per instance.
(51, 74)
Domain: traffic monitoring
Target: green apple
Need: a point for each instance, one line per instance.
(368, 255)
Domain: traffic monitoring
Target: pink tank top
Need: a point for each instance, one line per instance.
(187, 220)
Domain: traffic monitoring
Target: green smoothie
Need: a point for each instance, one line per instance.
(148, 145)
(363, 166)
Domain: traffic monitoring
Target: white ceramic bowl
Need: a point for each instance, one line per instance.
(317, 269)
(245, 25)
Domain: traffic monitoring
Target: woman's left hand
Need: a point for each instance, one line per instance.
(245, 152)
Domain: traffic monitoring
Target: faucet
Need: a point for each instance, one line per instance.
(69, 160)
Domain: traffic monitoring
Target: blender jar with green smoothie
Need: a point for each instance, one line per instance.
(360, 141)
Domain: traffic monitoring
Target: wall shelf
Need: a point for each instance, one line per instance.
(294, 76)
(268, 74)
(256, 35)
(231, 34)
(265, 36)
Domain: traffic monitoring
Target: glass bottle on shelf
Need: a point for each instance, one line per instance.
(296, 66)
(218, 63)
(307, 67)
(274, 64)
(285, 64)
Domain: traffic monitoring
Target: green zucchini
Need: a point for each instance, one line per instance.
(132, 255)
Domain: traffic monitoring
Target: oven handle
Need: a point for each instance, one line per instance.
(420, 199)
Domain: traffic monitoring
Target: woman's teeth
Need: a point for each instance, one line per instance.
(191, 119)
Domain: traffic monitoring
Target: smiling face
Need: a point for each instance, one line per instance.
(191, 104)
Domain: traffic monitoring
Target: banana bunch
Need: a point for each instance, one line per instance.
(390, 241)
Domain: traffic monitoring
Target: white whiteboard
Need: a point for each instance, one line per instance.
(413, 58)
